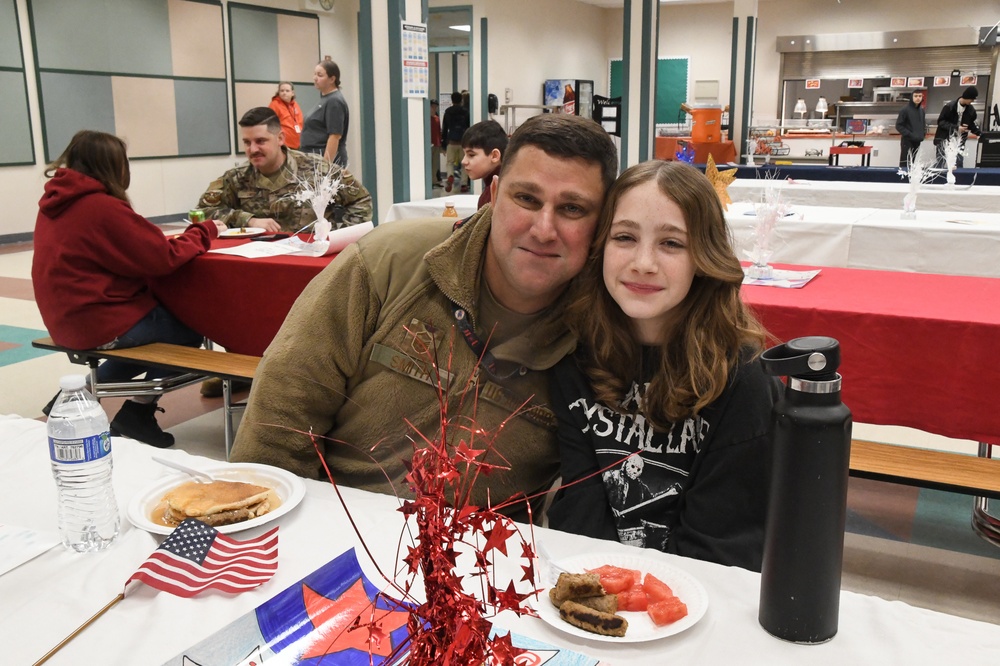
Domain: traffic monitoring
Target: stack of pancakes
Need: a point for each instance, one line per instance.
(216, 503)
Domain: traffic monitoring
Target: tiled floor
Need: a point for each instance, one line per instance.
(902, 543)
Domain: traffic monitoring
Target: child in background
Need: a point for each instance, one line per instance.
(289, 113)
(483, 145)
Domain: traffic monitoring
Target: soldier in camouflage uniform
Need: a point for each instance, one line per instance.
(262, 192)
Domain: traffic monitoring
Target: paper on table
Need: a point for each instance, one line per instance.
(783, 279)
(256, 250)
(335, 242)
(19, 544)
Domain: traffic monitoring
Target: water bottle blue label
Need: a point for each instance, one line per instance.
(84, 449)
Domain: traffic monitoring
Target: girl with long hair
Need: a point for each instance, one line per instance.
(664, 412)
(93, 258)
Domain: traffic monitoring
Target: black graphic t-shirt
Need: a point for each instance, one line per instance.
(698, 488)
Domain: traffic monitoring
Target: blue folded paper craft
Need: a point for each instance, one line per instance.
(309, 623)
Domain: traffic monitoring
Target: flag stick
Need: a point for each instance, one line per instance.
(79, 629)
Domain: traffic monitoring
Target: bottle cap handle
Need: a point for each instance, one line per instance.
(813, 357)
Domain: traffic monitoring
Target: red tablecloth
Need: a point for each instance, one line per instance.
(236, 302)
(917, 349)
(666, 147)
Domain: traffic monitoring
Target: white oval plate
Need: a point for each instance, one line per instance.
(640, 626)
(290, 490)
(242, 232)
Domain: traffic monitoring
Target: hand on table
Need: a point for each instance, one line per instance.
(221, 226)
(265, 223)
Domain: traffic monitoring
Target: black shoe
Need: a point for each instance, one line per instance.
(138, 421)
(212, 387)
(48, 407)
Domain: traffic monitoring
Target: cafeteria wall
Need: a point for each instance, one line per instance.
(529, 41)
(167, 186)
(790, 17)
(703, 33)
(534, 40)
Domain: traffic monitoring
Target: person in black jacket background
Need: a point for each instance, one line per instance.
(453, 126)
(664, 411)
(958, 117)
(911, 123)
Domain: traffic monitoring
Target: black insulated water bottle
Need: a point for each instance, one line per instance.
(804, 541)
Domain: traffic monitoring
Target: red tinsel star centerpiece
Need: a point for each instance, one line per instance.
(451, 626)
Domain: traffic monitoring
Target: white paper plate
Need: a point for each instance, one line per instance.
(244, 232)
(640, 626)
(290, 490)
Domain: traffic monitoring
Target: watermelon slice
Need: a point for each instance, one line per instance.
(618, 571)
(656, 589)
(616, 579)
(633, 599)
(667, 612)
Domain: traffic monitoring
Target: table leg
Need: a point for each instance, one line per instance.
(227, 408)
(984, 523)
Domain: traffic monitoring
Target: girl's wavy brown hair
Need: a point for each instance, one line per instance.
(713, 327)
(101, 156)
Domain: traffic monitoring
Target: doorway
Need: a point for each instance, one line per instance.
(449, 35)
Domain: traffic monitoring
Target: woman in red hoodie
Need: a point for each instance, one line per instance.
(93, 258)
(289, 113)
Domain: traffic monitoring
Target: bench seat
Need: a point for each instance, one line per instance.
(940, 470)
(193, 365)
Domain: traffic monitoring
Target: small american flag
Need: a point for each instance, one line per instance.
(195, 557)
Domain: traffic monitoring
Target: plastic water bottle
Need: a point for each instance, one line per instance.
(80, 450)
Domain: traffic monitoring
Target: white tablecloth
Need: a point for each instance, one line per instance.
(45, 599)
(978, 198)
(813, 235)
(465, 204)
(944, 242)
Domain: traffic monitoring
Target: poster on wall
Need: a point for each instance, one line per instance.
(855, 83)
(416, 68)
(812, 84)
(897, 82)
(915, 82)
(969, 79)
(942, 81)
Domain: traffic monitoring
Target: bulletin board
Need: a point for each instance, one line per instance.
(151, 72)
(268, 46)
(671, 87)
(17, 146)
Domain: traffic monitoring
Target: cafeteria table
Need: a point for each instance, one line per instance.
(820, 235)
(836, 151)
(951, 243)
(236, 302)
(974, 198)
(45, 599)
(722, 152)
(916, 348)
(465, 205)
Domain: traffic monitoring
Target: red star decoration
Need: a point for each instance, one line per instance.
(497, 538)
(333, 618)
